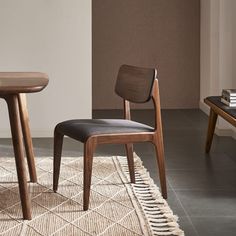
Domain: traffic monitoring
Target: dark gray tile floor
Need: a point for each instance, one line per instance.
(201, 188)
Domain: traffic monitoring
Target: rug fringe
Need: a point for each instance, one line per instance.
(161, 219)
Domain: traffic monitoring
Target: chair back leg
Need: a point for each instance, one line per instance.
(159, 148)
(58, 142)
(89, 148)
(130, 158)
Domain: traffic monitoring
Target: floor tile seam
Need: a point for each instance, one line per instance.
(185, 211)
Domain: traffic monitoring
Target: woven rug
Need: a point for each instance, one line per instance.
(116, 206)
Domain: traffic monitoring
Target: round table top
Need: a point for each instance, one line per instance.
(22, 82)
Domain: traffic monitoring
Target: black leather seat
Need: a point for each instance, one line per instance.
(216, 100)
(82, 129)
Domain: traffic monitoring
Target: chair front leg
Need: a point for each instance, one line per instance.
(58, 142)
(130, 157)
(89, 147)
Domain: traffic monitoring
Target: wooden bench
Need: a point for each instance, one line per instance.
(13, 87)
(217, 108)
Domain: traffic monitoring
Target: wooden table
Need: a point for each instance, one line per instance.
(217, 108)
(13, 86)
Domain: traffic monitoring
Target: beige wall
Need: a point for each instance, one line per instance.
(53, 37)
(155, 33)
(218, 54)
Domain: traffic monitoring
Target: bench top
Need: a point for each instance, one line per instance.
(229, 113)
(22, 82)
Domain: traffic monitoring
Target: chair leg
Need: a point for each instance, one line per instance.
(58, 142)
(88, 162)
(27, 137)
(14, 116)
(130, 157)
(211, 129)
(159, 148)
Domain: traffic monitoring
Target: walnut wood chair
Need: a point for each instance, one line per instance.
(134, 84)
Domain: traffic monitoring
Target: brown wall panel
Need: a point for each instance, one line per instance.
(154, 33)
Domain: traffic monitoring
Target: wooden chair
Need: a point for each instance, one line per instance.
(134, 84)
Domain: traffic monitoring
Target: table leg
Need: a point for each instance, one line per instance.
(211, 128)
(13, 108)
(24, 117)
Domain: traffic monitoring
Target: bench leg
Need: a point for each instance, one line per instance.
(13, 108)
(211, 128)
(27, 137)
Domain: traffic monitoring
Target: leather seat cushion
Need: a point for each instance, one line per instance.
(84, 128)
(229, 110)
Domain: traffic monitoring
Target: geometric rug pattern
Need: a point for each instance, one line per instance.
(116, 207)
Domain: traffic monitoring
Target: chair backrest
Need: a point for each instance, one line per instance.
(135, 84)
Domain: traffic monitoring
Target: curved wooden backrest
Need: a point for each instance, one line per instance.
(135, 84)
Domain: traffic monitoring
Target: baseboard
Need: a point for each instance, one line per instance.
(234, 134)
(218, 131)
(204, 108)
(224, 132)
